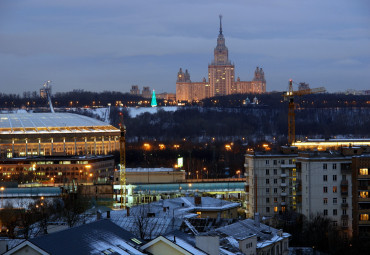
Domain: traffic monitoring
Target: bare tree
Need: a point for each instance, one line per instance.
(144, 222)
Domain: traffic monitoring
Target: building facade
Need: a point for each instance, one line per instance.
(272, 182)
(221, 78)
(326, 187)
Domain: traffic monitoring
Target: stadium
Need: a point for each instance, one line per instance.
(55, 134)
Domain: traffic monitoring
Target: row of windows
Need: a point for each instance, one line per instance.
(335, 189)
(325, 166)
(275, 181)
(325, 178)
(275, 162)
(335, 200)
(335, 212)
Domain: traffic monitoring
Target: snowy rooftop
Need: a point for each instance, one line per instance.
(51, 123)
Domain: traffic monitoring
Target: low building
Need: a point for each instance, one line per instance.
(151, 175)
(58, 169)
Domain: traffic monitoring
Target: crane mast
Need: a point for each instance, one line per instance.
(122, 150)
(289, 96)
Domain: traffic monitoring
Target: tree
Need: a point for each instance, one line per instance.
(74, 206)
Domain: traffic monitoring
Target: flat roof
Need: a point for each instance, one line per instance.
(19, 123)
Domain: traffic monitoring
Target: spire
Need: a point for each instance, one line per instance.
(154, 100)
(220, 24)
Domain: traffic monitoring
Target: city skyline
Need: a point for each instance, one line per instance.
(99, 46)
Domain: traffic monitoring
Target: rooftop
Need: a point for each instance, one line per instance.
(19, 123)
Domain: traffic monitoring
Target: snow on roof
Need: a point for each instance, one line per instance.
(48, 122)
(185, 245)
(155, 169)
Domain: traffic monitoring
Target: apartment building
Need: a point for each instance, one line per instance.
(272, 182)
(326, 186)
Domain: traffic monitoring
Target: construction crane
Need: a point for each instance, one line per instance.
(122, 151)
(289, 96)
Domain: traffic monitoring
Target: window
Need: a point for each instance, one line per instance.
(334, 166)
(364, 194)
(335, 201)
(325, 189)
(283, 171)
(325, 212)
(283, 180)
(267, 190)
(267, 181)
(325, 166)
(275, 190)
(334, 177)
(275, 209)
(267, 209)
(290, 162)
(335, 212)
(335, 223)
(283, 161)
(335, 189)
(267, 200)
(275, 181)
(325, 178)
(275, 171)
(267, 162)
(275, 199)
(344, 177)
(275, 162)
(344, 200)
(344, 211)
(345, 223)
(325, 200)
(267, 172)
(364, 171)
(364, 217)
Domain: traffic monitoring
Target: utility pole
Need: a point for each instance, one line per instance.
(122, 150)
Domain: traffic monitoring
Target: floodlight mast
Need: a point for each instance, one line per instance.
(122, 150)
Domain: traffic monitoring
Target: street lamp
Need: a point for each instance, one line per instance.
(2, 196)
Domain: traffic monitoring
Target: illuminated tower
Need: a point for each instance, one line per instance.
(154, 100)
(221, 71)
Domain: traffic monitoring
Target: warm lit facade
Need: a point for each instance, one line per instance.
(332, 144)
(361, 198)
(221, 78)
(45, 134)
(55, 170)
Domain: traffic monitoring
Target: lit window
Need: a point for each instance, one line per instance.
(364, 194)
(335, 189)
(364, 171)
(275, 209)
(364, 216)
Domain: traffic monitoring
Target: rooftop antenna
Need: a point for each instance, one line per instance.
(220, 24)
(47, 91)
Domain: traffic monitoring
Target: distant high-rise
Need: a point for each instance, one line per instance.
(221, 78)
(135, 90)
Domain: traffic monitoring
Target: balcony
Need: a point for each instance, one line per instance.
(364, 222)
(283, 184)
(283, 175)
(288, 165)
(283, 203)
(344, 205)
(246, 165)
(344, 217)
(283, 194)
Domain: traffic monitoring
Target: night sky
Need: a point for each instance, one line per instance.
(112, 44)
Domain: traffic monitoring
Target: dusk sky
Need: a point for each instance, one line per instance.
(101, 45)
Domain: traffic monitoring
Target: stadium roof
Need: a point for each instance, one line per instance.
(14, 123)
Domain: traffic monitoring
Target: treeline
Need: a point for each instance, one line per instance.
(199, 124)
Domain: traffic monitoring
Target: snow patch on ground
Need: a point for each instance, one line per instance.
(135, 111)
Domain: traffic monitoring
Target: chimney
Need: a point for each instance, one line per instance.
(128, 211)
(257, 219)
(198, 200)
(108, 214)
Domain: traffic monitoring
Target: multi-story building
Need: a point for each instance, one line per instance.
(361, 198)
(221, 76)
(326, 186)
(272, 182)
(146, 92)
(135, 90)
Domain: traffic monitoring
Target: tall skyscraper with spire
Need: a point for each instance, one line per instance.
(221, 78)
